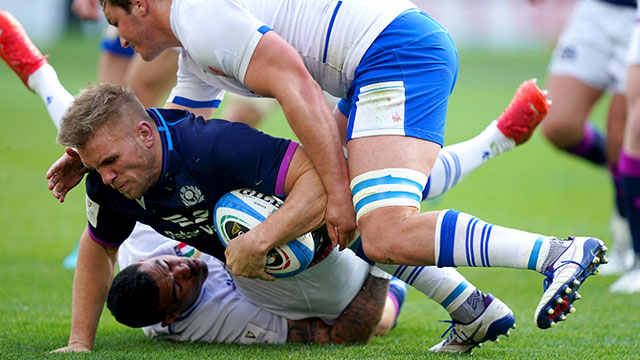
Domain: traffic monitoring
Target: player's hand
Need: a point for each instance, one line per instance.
(244, 260)
(86, 9)
(341, 219)
(65, 173)
(72, 349)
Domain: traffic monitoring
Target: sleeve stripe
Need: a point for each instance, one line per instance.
(326, 44)
(284, 167)
(264, 29)
(95, 238)
(195, 104)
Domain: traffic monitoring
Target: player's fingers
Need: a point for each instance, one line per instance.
(333, 234)
(266, 277)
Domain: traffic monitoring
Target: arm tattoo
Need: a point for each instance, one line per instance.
(354, 326)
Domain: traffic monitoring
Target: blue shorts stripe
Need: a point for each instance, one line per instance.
(385, 180)
(454, 294)
(447, 238)
(195, 104)
(326, 43)
(386, 195)
(535, 252)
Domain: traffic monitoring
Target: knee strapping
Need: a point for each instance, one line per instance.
(387, 187)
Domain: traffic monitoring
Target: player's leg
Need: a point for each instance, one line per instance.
(152, 81)
(17, 50)
(629, 167)
(513, 127)
(114, 59)
(395, 299)
(621, 252)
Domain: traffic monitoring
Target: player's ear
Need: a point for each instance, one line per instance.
(144, 132)
(169, 318)
(140, 7)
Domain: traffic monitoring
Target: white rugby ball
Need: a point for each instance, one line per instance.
(241, 210)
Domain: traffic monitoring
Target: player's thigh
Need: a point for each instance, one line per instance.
(572, 103)
(151, 81)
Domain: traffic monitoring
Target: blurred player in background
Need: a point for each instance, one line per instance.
(589, 60)
(629, 164)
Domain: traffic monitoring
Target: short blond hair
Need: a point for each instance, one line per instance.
(96, 106)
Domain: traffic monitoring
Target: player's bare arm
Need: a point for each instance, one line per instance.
(277, 70)
(302, 211)
(354, 326)
(93, 276)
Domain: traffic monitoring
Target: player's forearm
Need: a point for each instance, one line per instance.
(303, 209)
(359, 319)
(93, 276)
(311, 330)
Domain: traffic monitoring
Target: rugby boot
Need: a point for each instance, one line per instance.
(16, 49)
(495, 320)
(525, 111)
(564, 276)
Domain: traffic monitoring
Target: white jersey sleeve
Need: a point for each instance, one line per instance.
(192, 91)
(220, 35)
(221, 314)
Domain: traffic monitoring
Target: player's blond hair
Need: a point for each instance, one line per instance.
(97, 106)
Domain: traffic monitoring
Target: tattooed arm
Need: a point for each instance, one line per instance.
(354, 326)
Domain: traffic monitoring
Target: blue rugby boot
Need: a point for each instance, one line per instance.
(565, 275)
(496, 319)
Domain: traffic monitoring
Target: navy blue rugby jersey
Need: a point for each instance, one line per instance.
(202, 160)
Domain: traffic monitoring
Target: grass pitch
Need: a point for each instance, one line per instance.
(533, 187)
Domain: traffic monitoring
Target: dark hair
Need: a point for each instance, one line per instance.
(133, 298)
(125, 4)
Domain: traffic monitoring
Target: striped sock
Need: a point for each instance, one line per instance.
(397, 293)
(630, 172)
(457, 161)
(445, 286)
(464, 240)
(591, 147)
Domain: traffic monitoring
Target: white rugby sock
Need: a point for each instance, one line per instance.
(445, 286)
(56, 98)
(457, 161)
(464, 240)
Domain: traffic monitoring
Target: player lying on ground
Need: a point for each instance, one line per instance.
(445, 286)
(212, 309)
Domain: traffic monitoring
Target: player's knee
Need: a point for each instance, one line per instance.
(562, 134)
(381, 233)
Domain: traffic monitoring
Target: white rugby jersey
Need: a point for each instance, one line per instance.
(220, 314)
(220, 36)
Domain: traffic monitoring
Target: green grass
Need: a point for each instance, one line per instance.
(533, 188)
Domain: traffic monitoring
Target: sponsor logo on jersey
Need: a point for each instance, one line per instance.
(191, 195)
(92, 211)
(198, 217)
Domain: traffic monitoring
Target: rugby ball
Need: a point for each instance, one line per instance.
(241, 210)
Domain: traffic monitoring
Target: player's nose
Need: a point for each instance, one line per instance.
(123, 42)
(182, 271)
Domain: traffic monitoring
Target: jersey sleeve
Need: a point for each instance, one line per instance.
(245, 157)
(220, 35)
(190, 90)
(106, 226)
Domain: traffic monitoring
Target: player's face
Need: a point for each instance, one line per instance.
(136, 31)
(179, 280)
(123, 161)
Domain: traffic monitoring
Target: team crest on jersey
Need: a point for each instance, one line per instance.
(191, 195)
